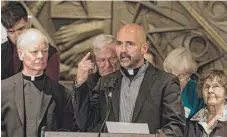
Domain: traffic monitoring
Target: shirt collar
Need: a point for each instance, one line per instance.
(202, 115)
(141, 70)
(202, 118)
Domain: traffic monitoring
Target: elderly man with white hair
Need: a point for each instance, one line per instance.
(30, 99)
(102, 61)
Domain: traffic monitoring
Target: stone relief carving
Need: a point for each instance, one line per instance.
(72, 25)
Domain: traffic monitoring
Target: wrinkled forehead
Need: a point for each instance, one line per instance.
(36, 44)
(127, 35)
(132, 33)
(106, 52)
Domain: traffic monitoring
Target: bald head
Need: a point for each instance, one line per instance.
(133, 29)
(131, 46)
(30, 37)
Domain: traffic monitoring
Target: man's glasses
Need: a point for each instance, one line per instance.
(102, 62)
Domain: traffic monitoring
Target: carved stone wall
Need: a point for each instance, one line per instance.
(72, 25)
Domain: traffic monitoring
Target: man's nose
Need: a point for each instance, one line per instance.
(107, 63)
(123, 48)
(17, 34)
(40, 54)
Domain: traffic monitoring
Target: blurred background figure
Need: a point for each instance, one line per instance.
(181, 63)
(210, 121)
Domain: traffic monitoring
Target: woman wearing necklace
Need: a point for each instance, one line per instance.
(210, 121)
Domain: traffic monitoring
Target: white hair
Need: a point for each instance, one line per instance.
(102, 41)
(28, 37)
(180, 61)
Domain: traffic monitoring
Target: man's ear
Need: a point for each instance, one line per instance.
(144, 48)
(20, 54)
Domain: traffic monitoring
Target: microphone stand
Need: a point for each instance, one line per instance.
(43, 129)
(108, 97)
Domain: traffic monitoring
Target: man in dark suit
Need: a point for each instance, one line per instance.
(140, 92)
(30, 100)
(15, 20)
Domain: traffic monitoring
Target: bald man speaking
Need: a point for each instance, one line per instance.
(30, 99)
(140, 92)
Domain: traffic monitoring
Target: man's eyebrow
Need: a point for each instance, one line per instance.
(130, 41)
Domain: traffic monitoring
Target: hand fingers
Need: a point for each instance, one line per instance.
(85, 63)
(89, 67)
(86, 57)
(86, 68)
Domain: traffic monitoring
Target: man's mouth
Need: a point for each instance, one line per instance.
(124, 57)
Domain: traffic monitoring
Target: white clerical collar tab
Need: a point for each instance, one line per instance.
(130, 71)
(32, 78)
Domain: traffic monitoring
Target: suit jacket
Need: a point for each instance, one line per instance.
(52, 70)
(158, 103)
(56, 110)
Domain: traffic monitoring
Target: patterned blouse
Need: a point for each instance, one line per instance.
(202, 118)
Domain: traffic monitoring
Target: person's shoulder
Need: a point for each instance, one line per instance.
(52, 49)
(57, 86)
(161, 74)
(5, 45)
(8, 84)
(9, 81)
(111, 75)
(109, 79)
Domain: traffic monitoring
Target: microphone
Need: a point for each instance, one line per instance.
(111, 85)
(43, 129)
(107, 114)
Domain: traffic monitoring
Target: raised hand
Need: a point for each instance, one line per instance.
(84, 67)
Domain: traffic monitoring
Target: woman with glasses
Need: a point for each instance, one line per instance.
(211, 121)
(181, 63)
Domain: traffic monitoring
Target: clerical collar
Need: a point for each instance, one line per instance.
(130, 72)
(33, 78)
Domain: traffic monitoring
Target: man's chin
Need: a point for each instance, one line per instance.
(40, 68)
(105, 73)
(125, 64)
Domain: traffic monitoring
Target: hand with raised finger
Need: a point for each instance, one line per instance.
(84, 67)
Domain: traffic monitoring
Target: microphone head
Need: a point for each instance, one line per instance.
(110, 94)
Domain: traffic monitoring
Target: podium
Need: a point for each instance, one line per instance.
(82, 134)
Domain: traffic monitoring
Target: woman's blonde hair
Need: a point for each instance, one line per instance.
(180, 61)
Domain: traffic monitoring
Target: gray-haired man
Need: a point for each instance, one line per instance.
(104, 59)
